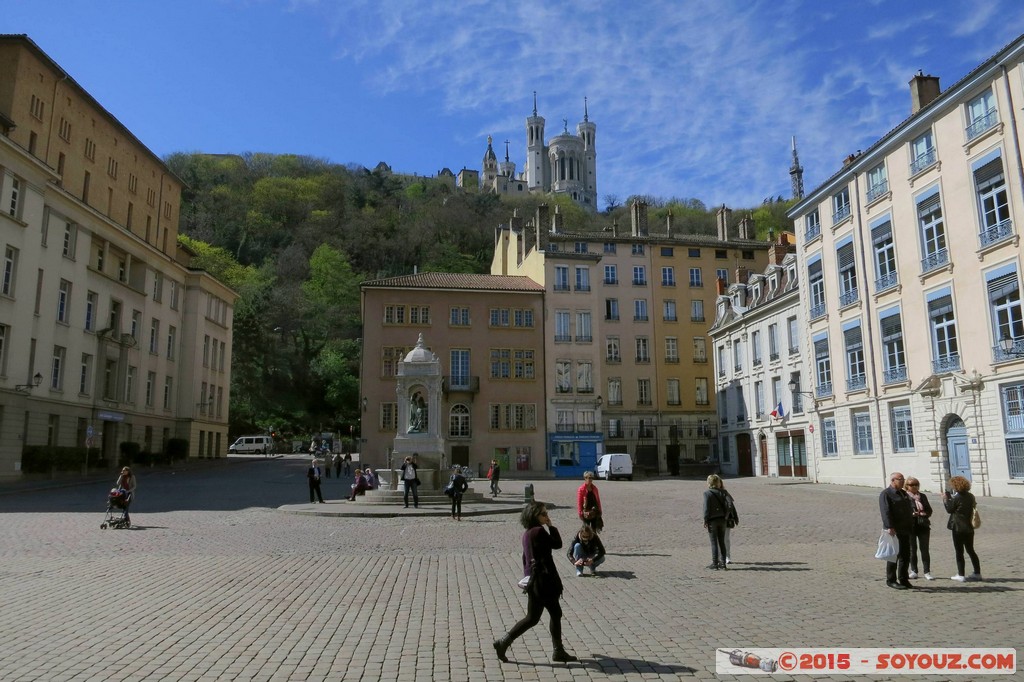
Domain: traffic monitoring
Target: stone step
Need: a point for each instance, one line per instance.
(397, 497)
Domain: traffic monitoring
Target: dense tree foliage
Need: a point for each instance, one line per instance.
(294, 236)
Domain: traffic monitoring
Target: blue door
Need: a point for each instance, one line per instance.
(959, 455)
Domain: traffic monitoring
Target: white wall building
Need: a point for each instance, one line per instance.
(910, 261)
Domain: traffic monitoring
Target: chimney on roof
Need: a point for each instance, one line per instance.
(923, 91)
(723, 216)
(747, 227)
(556, 221)
(541, 223)
(742, 275)
(668, 223)
(778, 250)
(638, 213)
(615, 227)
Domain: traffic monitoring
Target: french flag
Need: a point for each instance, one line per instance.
(778, 413)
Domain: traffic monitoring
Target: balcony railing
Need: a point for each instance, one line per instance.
(643, 358)
(823, 390)
(563, 338)
(887, 281)
(849, 297)
(639, 282)
(841, 214)
(947, 363)
(773, 356)
(818, 311)
(934, 260)
(584, 338)
(614, 280)
(857, 382)
(812, 232)
(582, 287)
(894, 375)
(922, 162)
(996, 233)
(876, 191)
(757, 361)
(672, 360)
(561, 287)
(794, 350)
(614, 358)
(700, 358)
(639, 318)
(982, 124)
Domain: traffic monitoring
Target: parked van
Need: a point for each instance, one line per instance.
(615, 465)
(251, 444)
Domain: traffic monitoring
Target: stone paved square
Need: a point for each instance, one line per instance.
(217, 583)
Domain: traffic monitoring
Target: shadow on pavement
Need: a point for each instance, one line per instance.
(606, 664)
(623, 575)
(636, 554)
(769, 566)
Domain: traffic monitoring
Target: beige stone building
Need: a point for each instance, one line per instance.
(487, 333)
(910, 258)
(106, 335)
(626, 335)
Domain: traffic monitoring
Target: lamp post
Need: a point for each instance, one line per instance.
(1008, 345)
(26, 388)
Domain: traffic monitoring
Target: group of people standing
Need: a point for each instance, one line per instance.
(365, 479)
(906, 514)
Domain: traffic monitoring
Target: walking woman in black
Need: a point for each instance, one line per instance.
(545, 587)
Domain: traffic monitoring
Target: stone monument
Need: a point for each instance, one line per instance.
(418, 393)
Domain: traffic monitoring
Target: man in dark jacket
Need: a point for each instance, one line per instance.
(898, 518)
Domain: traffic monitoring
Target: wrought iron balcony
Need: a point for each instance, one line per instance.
(996, 233)
(818, 311)
(982, 124)
(823, 390)
(841, 214)
(886, 282)
(922, 162)
(894, 375)
(934, 260)
(857, 382)
(563, 338)
(812, 232)
(876, 191)
(849, 297)
(947, 363)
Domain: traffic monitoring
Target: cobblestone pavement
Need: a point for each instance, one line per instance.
(216, 583)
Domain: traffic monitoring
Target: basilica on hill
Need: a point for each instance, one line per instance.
(565, 164)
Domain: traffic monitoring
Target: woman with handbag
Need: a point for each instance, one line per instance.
(544, 588)
(922, 530)
(960, 505)
(588, 503)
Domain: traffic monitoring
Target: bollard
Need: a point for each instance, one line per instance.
(528, 493)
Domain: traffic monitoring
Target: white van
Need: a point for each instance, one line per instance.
(251, 444)
(615, 465)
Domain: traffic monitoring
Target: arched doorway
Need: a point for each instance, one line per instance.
(744, 455)
(958, 455)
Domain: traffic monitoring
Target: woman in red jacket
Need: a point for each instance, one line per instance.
(588, 503)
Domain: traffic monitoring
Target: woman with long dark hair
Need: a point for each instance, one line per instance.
(545, 587)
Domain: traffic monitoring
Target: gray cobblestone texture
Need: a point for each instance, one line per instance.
(217, 582)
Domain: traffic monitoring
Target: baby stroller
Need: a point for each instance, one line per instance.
(118, 501)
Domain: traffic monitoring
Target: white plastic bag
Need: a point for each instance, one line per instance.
(888, 547)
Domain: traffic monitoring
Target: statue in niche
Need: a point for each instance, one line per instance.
(417, 413)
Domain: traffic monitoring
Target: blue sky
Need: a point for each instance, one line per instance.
(691, 98)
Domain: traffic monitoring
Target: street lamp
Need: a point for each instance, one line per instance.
(793, 386)
(1008, 344)
(36, 380)
(365, 403)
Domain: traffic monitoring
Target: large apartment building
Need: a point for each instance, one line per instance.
(106, 335)
(910, 262)
(626, 335)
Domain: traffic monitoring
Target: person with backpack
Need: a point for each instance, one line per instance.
(457, 485)
(732, 519)
(716, 512)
